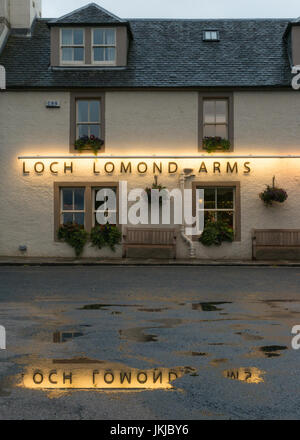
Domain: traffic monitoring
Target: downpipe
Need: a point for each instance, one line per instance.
(186, 239)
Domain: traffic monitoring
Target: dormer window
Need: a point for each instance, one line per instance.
(211, 36)
(89, 38)
(72, 46)
(104, 46)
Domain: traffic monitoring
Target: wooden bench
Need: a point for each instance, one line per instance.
(276, 244)
(142, 238)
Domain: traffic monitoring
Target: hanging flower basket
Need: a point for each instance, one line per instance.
(273, 194)
(89, 143)
(216, 143)
(158, 187)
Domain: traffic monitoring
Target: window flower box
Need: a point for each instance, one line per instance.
(92, 143)
(216, 143)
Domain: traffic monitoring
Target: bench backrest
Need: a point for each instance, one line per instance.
(277, 237)
(150, 236)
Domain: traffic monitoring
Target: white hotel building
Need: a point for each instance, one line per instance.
(152, 91)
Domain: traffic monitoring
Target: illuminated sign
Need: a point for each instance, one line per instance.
(122, 167)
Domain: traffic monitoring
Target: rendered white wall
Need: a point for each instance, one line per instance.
(143, 123)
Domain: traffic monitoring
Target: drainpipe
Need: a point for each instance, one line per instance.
(186, 239)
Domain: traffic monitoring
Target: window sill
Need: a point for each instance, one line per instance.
(87, 68)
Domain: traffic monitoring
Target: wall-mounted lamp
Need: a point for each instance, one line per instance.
(188, 171)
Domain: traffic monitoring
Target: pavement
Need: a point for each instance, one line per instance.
(224, 334)
(35, 261)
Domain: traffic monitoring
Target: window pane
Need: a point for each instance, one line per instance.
(225, 198)
(226, 217)
(67, 194)
(67, 218)
(209, 130)
(78, 199)
(94, 130)
(110, 36)
(209, 112)
(67, 37)
(99, 54)
(221, 130)
(78, 36)
(83, 130)
(94, 111)
(98, 36)
(67, 54)
(110, 54)
(79, 218)
(78, 54)
(221, 112)
(209, 217)
(83, 111)
(209, 198)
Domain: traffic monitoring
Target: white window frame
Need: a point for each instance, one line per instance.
(103, 63)
(89, 123)
(69, 211)
(201, 209)
(215, 124)
(208, 35)
(72, 46)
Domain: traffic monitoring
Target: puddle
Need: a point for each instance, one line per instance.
(272, 350)
(250, 337)
(209, 306)
(61, 337)
(137, 335)
(76, 374)
(248, 375)
(153, 310)
(191, 353)
(217, 362)
(104, 306)
(169, 322)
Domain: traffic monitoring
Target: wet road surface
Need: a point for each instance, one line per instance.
(149, 343)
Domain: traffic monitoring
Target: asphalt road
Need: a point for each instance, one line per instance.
(224, 332)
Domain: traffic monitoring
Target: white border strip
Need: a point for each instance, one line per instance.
(162, 157)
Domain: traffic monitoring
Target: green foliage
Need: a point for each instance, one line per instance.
(106, 235)
(89, 143)
(75, 235)
(273, 194)
(215, 233)
(215, 143)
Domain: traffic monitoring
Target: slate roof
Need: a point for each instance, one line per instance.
(91, 13)
(163, 53)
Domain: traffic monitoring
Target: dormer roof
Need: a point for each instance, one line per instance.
(89, 14)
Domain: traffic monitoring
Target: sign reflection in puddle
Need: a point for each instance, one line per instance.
(249, 375)
(89, 374)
